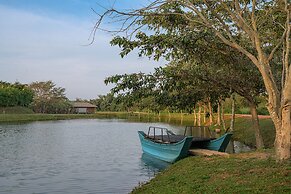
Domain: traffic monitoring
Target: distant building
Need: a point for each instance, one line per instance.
(83, 108)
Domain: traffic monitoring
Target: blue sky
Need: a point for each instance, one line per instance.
(44, 40)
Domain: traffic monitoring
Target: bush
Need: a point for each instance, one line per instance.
(263, 111)
(244, 110)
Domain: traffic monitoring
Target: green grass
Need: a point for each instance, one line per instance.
(221, 175)
(244, 133)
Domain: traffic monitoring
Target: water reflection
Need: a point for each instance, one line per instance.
(154, 164)
(76, 156)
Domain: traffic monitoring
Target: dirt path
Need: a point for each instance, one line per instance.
(249, 116)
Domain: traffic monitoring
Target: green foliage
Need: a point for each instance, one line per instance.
(242, 105)
(244, 110)
(263, 111)
(236, 46)
(202, 66)
(49, 99)
(196, 34)
(15, 95)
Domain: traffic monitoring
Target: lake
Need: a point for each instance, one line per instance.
(74, 156)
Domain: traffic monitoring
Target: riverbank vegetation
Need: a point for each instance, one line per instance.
(39, 97)
(241, 173)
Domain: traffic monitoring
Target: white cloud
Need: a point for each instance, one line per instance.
(38, 48)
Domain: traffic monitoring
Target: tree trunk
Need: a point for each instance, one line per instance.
(204, 114)
(181, 117)
(256, 125)
(199, 114)
(231, 128)
(210, 113)
(195, 117)
(279, 109)
(282, 142)
(222, 115)
(218, 114)
(283, 129)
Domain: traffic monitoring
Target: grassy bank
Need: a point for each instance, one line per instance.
(5, 118)
(244, 133)
(17, 116)
(15, 110)
(240, 173)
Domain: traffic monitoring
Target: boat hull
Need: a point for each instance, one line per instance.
(218, 144)
(166, 152)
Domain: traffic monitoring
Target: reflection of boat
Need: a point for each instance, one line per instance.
(164, 147)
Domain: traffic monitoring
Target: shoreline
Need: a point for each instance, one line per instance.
(228, 171)
(252, 172)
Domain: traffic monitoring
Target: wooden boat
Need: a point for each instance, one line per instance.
(164, 147)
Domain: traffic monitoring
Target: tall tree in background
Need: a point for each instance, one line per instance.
(48, 98)
(260, 30)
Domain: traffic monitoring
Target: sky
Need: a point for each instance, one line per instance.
(43, 40)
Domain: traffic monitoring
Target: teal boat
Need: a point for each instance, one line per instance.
(218, 144)
(164, 146)
(205, 140)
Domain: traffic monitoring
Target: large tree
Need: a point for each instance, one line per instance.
(48, 98)
(200, 57)
(260, 30)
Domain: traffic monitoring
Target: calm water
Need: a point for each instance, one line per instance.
(75, 156)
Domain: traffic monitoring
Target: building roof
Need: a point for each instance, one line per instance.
(83, 105)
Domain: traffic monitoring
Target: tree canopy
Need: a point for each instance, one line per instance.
(259, 30)
(48, 98)
(15, 94)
